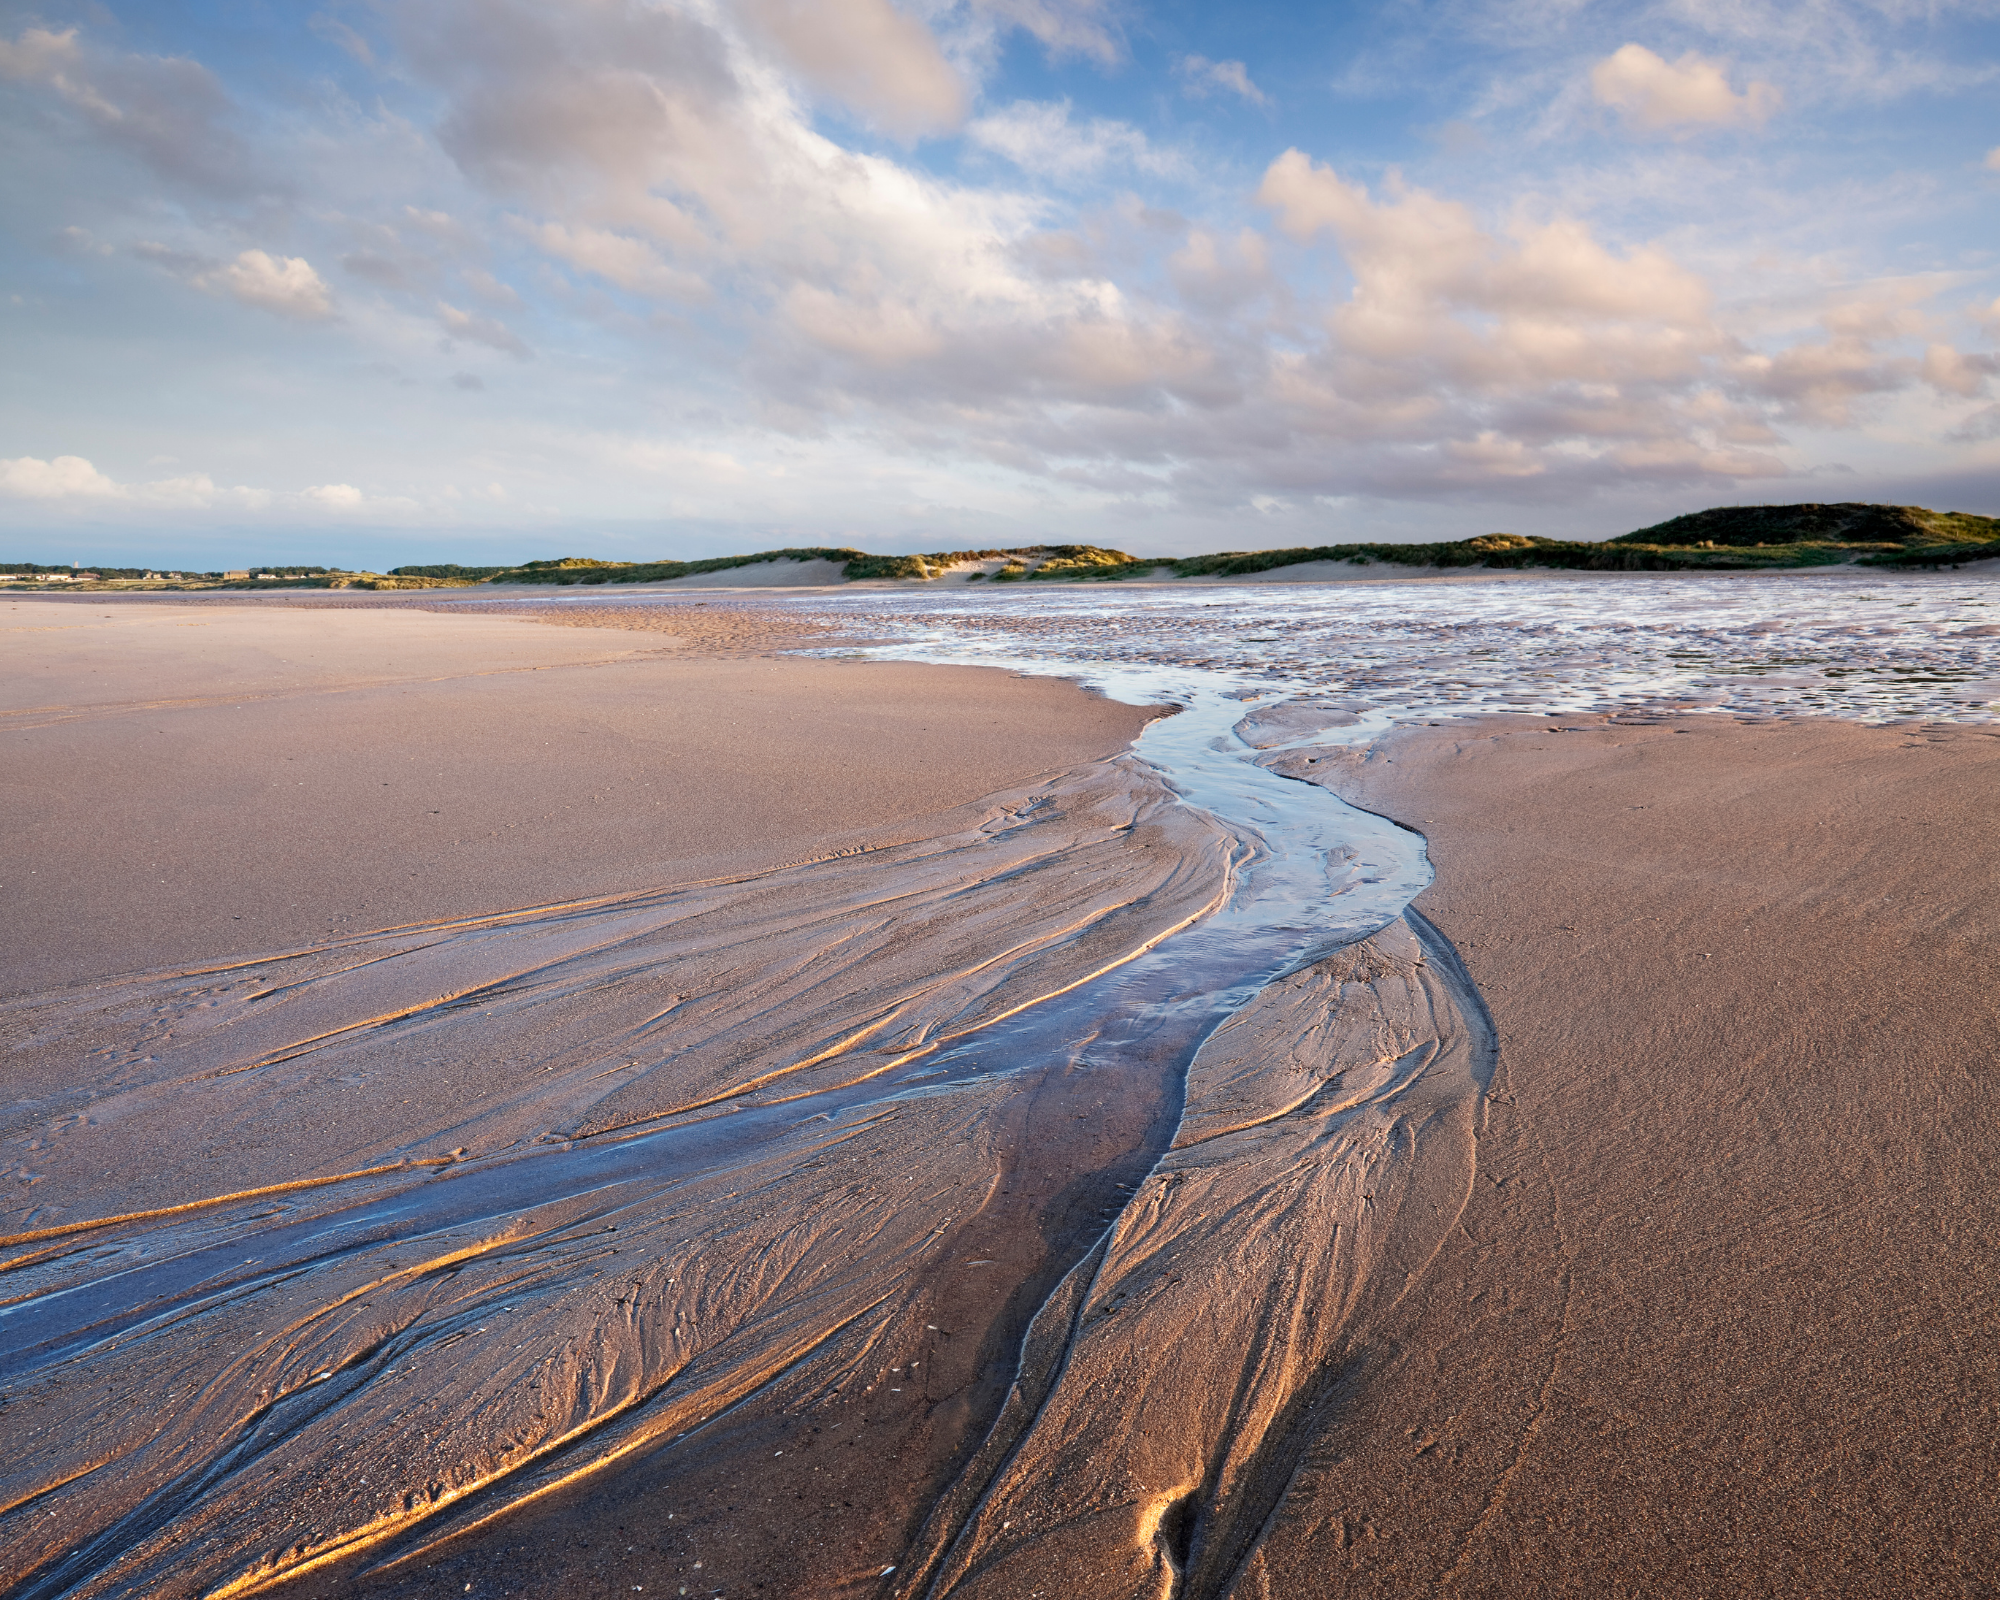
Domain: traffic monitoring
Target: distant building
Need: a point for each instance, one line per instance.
(227, 576)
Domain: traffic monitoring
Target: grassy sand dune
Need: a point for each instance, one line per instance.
(1725, 539)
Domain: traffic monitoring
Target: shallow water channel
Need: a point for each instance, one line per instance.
(727, 1138)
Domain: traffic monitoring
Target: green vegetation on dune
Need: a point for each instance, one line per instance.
(1729, 538)
(581, 569)
(1846, 525)
(1725, 539)
(857, 566)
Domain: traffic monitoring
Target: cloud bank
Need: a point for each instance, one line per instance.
(850, 251)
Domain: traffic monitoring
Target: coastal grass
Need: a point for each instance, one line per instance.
(1723, 539)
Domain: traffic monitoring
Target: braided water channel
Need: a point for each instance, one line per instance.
(814, 1081)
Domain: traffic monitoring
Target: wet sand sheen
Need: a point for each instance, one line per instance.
(1329, 1344)
(168, 1115)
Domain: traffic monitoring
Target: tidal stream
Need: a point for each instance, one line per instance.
(721, 1136)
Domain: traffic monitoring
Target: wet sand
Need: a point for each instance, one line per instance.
(854, 864)
(1719, 1316)
(1654, 1263)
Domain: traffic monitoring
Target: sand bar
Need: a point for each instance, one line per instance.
(350, 1076)
(191, 781)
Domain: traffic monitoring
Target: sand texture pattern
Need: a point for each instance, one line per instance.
(1719, 1318)
(919, 1153)
(276, 1203)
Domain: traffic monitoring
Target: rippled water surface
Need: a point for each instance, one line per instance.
(1867, 648)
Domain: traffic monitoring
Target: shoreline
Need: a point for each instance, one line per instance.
(1315, 574)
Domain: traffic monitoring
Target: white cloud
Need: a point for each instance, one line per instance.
(878, 61)
(1039, 137)
(1541, 351)
(1024, 324)
(632, 264)
(64, 478)
(284, 285)
(76, 479)
(1065, 27)
(1655, 94)
(39, 54)
(1204, 76)
(1993, 159)
(1952, 372)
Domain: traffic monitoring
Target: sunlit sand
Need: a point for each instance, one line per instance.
(826, 1116)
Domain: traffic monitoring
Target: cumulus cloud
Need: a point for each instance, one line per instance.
(167, 112)
(608, 93)
(1858, 358)
(333, 496)
(1658, 95)
(880, 62)
(1953, 372)
(284, 285)
(64, 478)
(1202, 77)
(76, 480)
(1538, 352)
(641, 149)
(287, 286)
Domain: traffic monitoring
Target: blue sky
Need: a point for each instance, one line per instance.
(490, 279)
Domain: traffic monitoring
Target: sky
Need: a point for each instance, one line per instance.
(489, 280)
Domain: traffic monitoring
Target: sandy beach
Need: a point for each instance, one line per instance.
(190, 782)
(534, 1109)
(1718, 1317)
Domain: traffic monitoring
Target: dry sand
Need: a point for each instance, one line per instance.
(189, 781)
(1657, 1264)
(1719, 1318)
